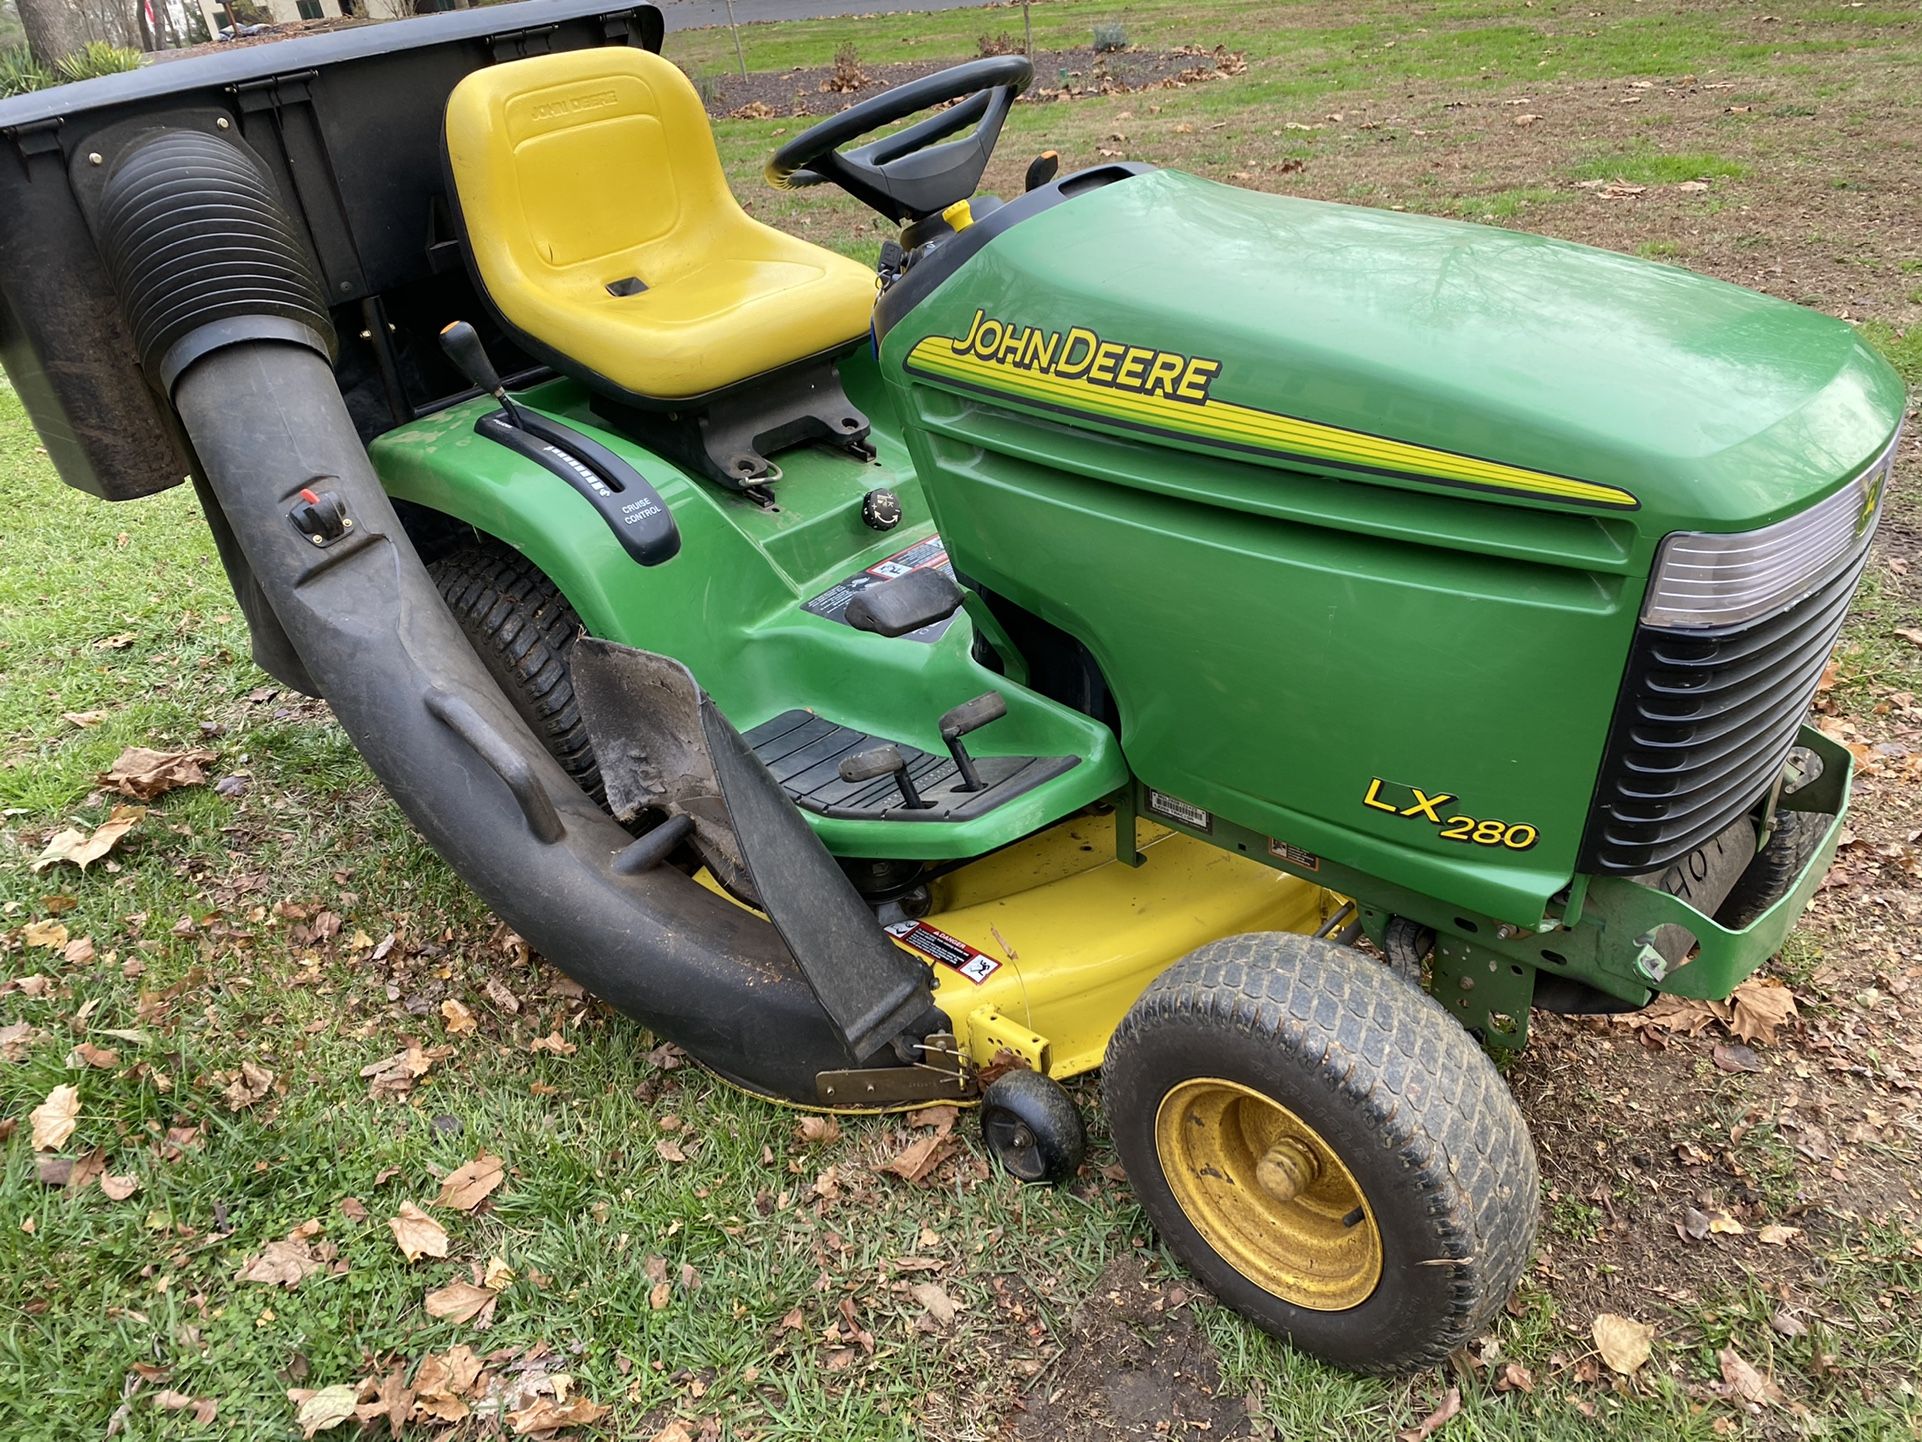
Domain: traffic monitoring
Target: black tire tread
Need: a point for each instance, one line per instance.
(1765, 879)
(1044, 1104)
(1396, 1055)
(524, 630)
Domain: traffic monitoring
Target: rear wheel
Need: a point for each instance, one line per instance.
(524, 631)
(1325, 1148)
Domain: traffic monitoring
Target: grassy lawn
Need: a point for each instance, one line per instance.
(223, 990)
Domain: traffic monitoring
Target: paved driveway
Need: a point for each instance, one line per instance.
(686, 14)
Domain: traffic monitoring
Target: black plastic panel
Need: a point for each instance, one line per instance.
(1704, 722)
(804, 751)
(347, 126)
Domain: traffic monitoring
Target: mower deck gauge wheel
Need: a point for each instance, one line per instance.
(1031, 1128)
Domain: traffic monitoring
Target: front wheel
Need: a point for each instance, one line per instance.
(1325, 1148)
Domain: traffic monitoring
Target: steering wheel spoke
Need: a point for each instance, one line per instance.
(919, 171)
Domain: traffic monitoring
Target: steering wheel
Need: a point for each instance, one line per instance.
(909, 175)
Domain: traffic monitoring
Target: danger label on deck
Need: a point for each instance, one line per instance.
(937, 945)
(925, 555)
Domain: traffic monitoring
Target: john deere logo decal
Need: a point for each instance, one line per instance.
(1871, 495)
(1169, 394)
(1081, 355)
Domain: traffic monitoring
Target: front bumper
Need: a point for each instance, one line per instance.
(1627, 914)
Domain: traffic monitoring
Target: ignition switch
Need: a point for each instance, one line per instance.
(321, 516)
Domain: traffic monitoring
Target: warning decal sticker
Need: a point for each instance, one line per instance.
(937, 945)
(929, 554)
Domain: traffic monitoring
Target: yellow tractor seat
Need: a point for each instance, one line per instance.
(600, 226)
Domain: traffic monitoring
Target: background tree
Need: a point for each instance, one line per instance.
(57, 28)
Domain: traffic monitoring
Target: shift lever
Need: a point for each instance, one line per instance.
(884, 761)
(463, 346)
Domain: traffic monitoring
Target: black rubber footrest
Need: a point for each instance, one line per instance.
(804, 752)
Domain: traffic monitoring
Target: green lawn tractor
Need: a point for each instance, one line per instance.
(1258, 648)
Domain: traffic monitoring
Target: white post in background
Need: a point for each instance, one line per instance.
(734, 26)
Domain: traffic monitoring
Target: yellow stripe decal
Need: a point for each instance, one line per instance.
(1208, 420)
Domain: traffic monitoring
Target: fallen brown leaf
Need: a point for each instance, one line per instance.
(1434, 1421)
(52, 935)
(322, 1410)
(83, 850)
(118, 1189)
(143, 774)
(205, 1409)
(553, 1042)
(17, 1038)
(548, 1414)
(249, 1085)
(392, 1399)
(1740, 1379)
(817, 1130)
(462, 1302)
(87, 1054)
(1623, 1343)
(417, 1234)
(444, 1379)
(460, 1021)
(1761, 1006)
(1514, 1377)
(55, 1118)
(468, 1185)
(934, 1298)
(394, 1076)
(920, 1157)
(285, 1263)
(92, 1164)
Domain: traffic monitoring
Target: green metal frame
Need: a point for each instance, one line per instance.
(730, 605)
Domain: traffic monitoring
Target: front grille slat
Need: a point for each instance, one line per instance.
(1707, 737)
(1702, 726)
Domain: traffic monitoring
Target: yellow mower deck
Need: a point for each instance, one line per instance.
(1039, 949)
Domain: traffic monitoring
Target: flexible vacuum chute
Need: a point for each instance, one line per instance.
(228, 318)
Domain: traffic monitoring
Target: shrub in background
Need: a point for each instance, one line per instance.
(98, 58)
(20, 72)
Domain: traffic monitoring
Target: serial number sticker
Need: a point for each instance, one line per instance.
(1293, 855)
(1160, 803)
(1435, 807)
(950, 951)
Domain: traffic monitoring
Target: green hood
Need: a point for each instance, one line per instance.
(1413, 351)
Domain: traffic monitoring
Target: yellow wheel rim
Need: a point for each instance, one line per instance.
(1269, 1194)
